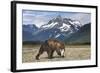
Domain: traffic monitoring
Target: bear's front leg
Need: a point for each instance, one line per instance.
(58, 52)
(50, 54)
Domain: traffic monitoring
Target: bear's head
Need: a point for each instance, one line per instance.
(62, 51)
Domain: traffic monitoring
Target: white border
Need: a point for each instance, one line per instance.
(37, 65)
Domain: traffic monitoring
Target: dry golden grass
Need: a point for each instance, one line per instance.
(73, 52)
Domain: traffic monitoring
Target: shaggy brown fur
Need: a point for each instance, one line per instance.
(50, 46)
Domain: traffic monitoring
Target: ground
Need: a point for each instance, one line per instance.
(73, 52)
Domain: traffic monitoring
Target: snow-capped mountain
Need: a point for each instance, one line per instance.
(63, 24)
(59, 28)
(81, 36)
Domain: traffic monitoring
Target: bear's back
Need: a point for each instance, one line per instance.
(53, 43)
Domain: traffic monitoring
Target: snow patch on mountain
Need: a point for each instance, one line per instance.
(58, 27)
(75, 23)
(49, 26)
(64, 27)
(57, 35)
(63, 24)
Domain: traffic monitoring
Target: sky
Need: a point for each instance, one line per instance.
(42, 17)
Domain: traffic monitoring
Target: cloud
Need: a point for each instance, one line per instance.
(37, 17)
(39, 20)
(42, 17)
(82, 17)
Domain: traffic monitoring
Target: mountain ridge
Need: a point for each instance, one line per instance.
(58, 28)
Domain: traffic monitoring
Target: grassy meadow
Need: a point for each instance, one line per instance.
(73, 52)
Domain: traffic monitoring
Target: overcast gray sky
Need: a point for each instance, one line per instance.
(42, 17)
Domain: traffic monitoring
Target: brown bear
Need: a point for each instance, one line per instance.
(50, 46)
